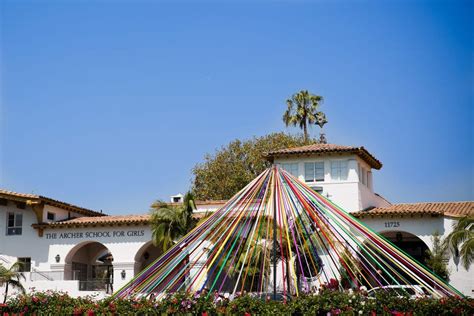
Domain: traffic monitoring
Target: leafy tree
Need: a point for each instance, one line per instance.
(303, 111)
(171, 222)
(437, 258)
(11, 277)
(232, 167)
(461, 240)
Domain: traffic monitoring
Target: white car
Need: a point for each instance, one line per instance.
(413, 291)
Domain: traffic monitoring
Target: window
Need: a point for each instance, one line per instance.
(25, 264)
(50, 216)
(21, 205)
(14, 223)
(363, 176)
(314, 171)
(292, 168)
(339, 170)
(318, 189)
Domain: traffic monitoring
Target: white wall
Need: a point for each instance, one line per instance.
(122, 241)
(28, 244)
(9, 243)
(60, 214)
(460, 278)
(368, 198)
(208, 208)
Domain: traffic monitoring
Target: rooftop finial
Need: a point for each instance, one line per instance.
(321, 120)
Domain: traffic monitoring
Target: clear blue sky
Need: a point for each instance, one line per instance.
(109, 105)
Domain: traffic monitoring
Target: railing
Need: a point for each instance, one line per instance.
(36, 275)
(4, 260)
(95, 285)
(46, 275)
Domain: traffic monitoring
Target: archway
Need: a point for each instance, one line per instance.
(90, 263)
(409, 243)
(146, 255)
(385, 271)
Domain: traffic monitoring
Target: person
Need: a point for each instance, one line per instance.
(109, 282)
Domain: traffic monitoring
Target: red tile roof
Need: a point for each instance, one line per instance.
(4, 193)
(453, 209)
(326, 149)
(142, 219)
(98, 221)
(33, 198)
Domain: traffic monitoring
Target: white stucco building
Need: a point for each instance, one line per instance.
(67, 247)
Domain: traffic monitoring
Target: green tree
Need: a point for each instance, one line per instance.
(437, 257)
(11, 277)
(171, 222)
(303, 111)
(461, 240)
(232, 167)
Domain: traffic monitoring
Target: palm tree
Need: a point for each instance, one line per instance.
(436, 257)
(461, 240)
(302, 111)
(11, 276)
(170, 222)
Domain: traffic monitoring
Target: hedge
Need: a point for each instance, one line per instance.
(326, 303)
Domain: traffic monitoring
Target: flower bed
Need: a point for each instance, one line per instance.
(327, 303)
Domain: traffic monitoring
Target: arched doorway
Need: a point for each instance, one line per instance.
(376, 269)
(409, 243)
(146, 255)
(90, 263)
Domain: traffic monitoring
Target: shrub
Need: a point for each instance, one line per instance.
(328, 302)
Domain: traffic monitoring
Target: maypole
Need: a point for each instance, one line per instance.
(274, 238)
(319, 244)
